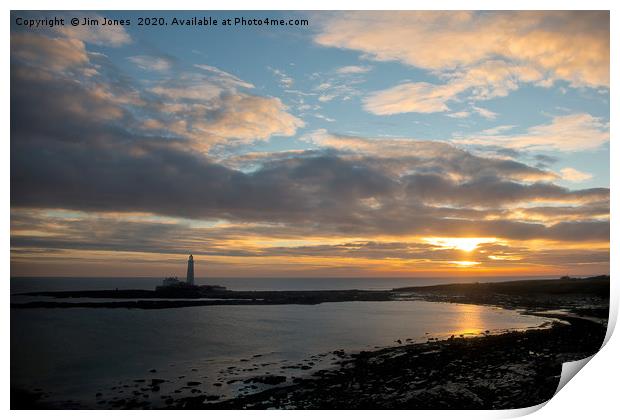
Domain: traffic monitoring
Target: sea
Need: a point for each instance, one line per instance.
(92, 357)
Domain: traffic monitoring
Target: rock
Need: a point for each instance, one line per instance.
(267, 379)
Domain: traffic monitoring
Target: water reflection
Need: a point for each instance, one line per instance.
(77, 353)
(469, 321)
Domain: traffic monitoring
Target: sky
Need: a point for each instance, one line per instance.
(370, 144)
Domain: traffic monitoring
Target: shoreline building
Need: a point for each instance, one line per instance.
(171, 281)
(190, 270)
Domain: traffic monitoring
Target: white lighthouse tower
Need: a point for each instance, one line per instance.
(190, 270)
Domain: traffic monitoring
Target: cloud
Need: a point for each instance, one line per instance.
(342, 195)
(340, 84)
(492, 192)
(350, 186)
(121, 149)
(150, 63)
(324, 118)
(486, 113)
(56, 54)
(128, 232)
(286, 81)
(200, 109)
(424, 254)
(224, 78)
(410, 97)
(208, 116)
(214, 107)
(242, 117)
(107, 35)
(74, 103)
(481, 82)
(567, 133)
(353, 69)
(597, 210)
(483, 112)
(186, 91)
(573, 175)
(165, 238)
(61, 50)
(401, 155)
(476, 55)
(497, 130)
(199, 87)
(460, 114)
(572, 46)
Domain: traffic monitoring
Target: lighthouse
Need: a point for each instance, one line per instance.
(190, 270)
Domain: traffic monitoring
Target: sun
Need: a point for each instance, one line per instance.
(463, 244)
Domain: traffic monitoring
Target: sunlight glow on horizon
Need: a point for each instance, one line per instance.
(464, 244)
(465, 263)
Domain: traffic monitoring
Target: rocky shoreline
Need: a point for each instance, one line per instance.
(512, 370)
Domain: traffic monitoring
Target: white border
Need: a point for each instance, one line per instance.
(591, 395)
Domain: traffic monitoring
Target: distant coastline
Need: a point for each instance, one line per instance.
(512, 294)
(22, 284)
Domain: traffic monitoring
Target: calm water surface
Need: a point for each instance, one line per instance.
(77, 353)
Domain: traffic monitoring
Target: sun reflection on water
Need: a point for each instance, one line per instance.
(469, 321)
